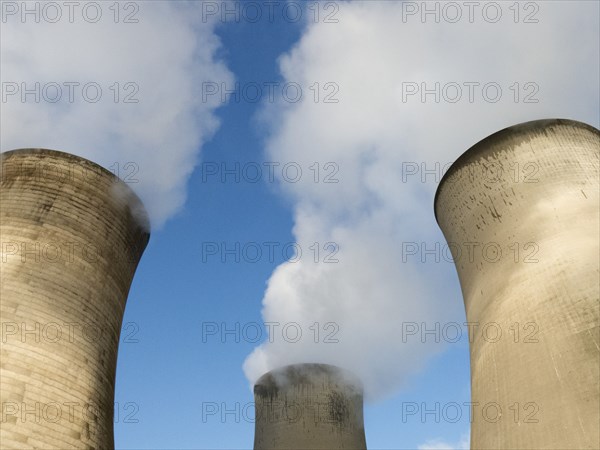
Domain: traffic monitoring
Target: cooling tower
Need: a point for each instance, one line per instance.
(309, 406)
(520, 213)
(71, 238)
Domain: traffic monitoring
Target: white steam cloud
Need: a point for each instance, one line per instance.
(120, 86)
(378, 52)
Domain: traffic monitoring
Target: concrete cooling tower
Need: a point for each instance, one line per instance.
(520, 212)
(309, 406)
(71, 238)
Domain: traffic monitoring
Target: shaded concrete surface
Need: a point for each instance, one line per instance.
(309, 406)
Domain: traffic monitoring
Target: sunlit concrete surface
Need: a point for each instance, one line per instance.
(526, 201)
(71, 238)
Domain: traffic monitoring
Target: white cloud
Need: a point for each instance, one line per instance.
(167, 55)
(371, 133)
(437, 444)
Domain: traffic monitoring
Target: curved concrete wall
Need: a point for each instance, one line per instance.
(526, 202)
(309, 406)
(71, 238)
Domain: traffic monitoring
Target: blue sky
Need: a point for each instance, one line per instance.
(171, 372)
(179, 384)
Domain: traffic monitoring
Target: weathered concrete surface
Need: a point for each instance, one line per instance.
(71, 237)
(530, 193)
(309, 406)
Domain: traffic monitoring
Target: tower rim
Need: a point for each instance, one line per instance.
(134, 197)
(482, 146)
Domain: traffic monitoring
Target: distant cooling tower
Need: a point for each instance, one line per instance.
(309, 406)
(71, 238)
(520, 212)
